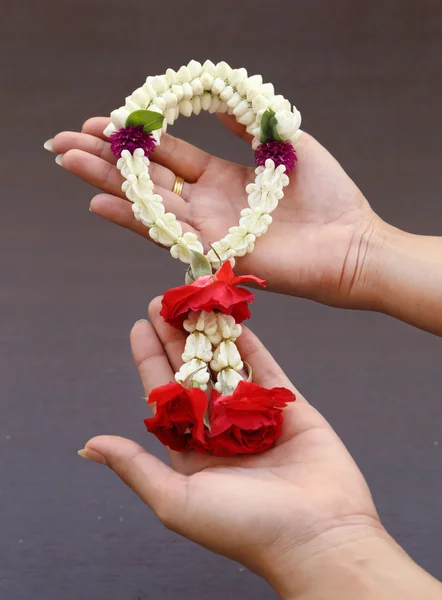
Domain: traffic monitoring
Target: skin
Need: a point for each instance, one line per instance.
(320, 226)
(300, 515)
(319, 535)
(325, 242)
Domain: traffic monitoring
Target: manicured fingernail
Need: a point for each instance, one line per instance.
(141, 321)
(92, 455)
(48, 145)
(59, 159)
(90, 209)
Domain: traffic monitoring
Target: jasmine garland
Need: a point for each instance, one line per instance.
(211, 306)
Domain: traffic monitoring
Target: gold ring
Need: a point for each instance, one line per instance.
(178, 186)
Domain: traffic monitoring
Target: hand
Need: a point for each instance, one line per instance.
(321, 233)
(292, 514)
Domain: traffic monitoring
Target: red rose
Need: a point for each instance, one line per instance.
(179, 419)
(247, 422)
(211, 292)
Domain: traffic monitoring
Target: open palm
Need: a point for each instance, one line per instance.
(303, 494)
(319, 230)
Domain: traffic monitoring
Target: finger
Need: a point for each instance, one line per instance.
(183, 159)
(171, 338)
(265, 369)
(154, 368)
(159, 486)
(234, 127)
(300, 415)
(106, 176)
(120, 212)
(95, 126)
(164, 177)
(72, 140)
(149, 357)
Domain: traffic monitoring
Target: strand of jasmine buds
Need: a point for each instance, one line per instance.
(148, 207)
(216, 88)
(263, 198)
(228, 364)
(196, 357)
(208, 330)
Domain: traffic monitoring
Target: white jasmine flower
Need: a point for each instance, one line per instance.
(186, 108)
(227, 327)
(255, 221)
(183, 245)
(222, 70)
(148, 213)
(227, 93)
(197, 87)
(207, 80)
(119, 117)
(159, 83)
(195, 371)
(165, 230)
(195, 69)
(241, 108)
(236, 76)
(288, 123)
(170, 99)
(197, 346)
(187, 91)
(234, 100)
(247, 118)
(184, 74)
(228, 380)
(141, 97)
(206, 101)
(209, 67)
(178, 91)
(171, 77)
(226, 355)
(218, 85)
(215, 105)
(196, 105)
(268, 90)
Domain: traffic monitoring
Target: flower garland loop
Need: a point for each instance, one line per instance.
(212, 406)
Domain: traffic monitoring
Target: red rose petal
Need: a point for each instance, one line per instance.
(179, 418)
(218, 292)
(247, 422)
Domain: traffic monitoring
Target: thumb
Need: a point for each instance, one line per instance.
(159, 486)
(234, 127)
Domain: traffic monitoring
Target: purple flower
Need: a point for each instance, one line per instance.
(282, 153)
(131, 138)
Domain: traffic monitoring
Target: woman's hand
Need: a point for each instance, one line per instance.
(321, 233)
(300, 515)
(325, 242)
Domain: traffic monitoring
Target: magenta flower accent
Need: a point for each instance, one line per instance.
(131, 138)
(282, 153)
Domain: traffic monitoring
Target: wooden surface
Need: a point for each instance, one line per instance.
(367, 79)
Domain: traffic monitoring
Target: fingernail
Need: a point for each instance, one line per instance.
(59, 159)
(141, 321)
(90, 209)
(92, 455)
(48, 145)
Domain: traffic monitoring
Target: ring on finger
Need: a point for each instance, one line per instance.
(178, 185)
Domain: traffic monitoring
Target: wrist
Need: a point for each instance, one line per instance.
(402, 277)
(358, 562)
(375, 258)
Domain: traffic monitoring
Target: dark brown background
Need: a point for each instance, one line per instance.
(367, 78)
